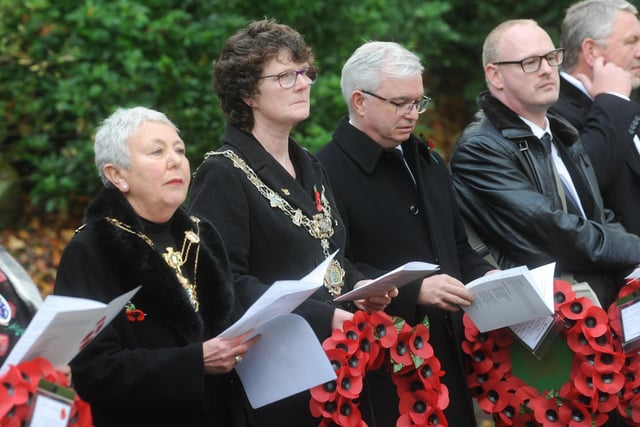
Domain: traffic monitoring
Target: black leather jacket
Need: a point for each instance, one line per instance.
(507, 191)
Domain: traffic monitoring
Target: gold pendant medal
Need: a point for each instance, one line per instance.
(334, 278)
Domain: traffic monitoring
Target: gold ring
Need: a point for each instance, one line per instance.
(238, 358)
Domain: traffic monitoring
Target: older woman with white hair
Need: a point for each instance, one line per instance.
(156, 363)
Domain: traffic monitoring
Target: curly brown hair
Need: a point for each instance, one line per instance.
(242, 60)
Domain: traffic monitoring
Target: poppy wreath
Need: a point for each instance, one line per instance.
(598, 382)
(629, 396)
(18, 388)
(371, 341)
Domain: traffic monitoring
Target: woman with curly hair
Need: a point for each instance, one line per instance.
(269, 198)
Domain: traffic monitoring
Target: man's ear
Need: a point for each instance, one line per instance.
(357, 102)
(590, 50)
(114, 174)
(493, 76)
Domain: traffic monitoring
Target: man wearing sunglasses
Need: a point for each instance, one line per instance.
(522, 178)
(602, 65)
(395, 199)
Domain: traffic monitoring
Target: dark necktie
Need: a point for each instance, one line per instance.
(572, 204)
(546, 142)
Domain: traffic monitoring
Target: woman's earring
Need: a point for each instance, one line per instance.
(125, 186)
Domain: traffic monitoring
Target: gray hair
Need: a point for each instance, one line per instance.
(115, 131)
(588, 19)
(365, 68)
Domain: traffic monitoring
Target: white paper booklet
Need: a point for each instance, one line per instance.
(398, 277)
(635, 274)
(288, 358)
(511, 296)
(62, 326)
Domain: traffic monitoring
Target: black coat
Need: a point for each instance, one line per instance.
(390, 221)
(148, 373)
(263, 243)
(607, 126)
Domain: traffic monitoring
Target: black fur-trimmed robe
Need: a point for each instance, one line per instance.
(149, 372)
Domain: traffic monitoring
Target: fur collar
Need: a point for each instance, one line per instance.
(135, 263)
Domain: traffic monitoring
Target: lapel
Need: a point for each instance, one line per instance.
(574, 96)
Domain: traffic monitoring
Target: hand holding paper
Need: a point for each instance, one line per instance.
(511, 296)
(271, 369)
(396, 278)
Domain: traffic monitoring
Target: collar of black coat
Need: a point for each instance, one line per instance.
(136, 263)
(512, 127)
(366, 153)
(309, 169)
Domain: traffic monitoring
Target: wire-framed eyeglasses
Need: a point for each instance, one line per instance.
(532, 64)
(287, 79)
(403, 108)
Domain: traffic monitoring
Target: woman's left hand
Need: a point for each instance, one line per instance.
(377, 303)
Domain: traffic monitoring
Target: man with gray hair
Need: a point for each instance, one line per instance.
(395, 199)
(601, 39)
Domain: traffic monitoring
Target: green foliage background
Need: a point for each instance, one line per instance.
(65, 66)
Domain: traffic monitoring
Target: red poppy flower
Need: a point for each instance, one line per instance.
(349, 386)
(434, 418)
(16, 385)
(595, 321)
(430, 371)
(326, 409)
(562, 292)
(580, 344)
(6, 400)
(400, 352)
(383, 328)
(574, 309)
(481, 361)
(348, 414)
(340, 340)
(419, 342)
(606, 402)
(634, 408)
(611, 382)
(136, 315)
(603, 343)
(495, 397)
(614, 319)
(584, 383)
(546, 412)
(608, 362)
(416, 405)
(575, 415)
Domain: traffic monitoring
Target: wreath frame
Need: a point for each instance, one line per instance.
(602, 379)
(371, 341)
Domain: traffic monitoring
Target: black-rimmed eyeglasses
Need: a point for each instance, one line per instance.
(288, 78)
(531, 64)
(403, 108)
